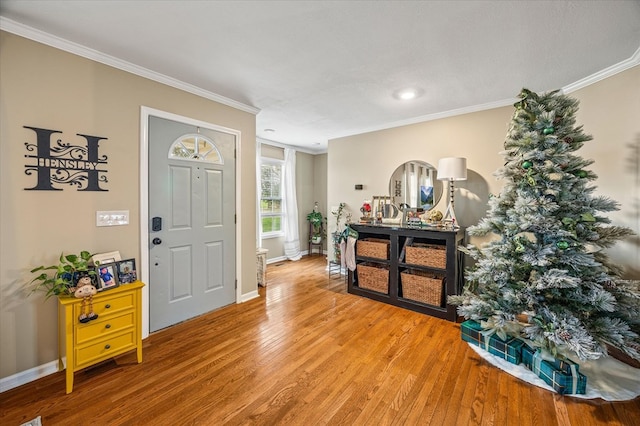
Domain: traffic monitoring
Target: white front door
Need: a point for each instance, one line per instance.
(192, 226)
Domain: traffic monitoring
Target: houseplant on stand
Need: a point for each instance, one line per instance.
(317, 230)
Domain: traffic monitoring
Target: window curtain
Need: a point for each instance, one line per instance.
(291, 234)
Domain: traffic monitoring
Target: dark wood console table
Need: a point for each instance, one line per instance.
(450, 272)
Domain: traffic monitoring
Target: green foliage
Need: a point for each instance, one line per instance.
(316, 219)
(62, 279)
(338, 215)
(548, 262)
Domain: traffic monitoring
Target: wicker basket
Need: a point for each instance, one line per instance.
(373, 247)
(422, 286)
(373, 277)
(432, 255)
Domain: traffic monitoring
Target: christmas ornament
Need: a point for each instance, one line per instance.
(530, 179)
(548, 130)
(587, 217)
(555, 176)
(581, 173)
(564, 335)
(527, 164)
(562, 245)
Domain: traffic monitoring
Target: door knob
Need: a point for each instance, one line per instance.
(156, 241)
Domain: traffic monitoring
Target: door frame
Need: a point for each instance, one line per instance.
(145, 113)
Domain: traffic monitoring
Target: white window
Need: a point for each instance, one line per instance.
(271, 213)
(195, 147)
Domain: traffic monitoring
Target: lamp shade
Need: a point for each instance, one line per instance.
(452, 168)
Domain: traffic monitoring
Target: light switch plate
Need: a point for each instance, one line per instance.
(112, 218)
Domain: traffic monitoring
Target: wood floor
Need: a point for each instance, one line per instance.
(305, 353)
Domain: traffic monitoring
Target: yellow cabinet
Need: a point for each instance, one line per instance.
(118, 328)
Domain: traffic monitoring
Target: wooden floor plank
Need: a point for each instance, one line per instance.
(304, 353)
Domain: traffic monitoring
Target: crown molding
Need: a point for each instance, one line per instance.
(431, 117)
(631, 62)
(97, 56)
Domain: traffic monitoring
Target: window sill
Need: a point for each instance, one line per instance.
(275, 235)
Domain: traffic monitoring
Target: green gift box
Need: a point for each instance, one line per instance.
(509, 349)
(561, 375)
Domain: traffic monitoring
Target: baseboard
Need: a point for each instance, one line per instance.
(284, 258)
(27, 376)
(249, 296)
(276, 260)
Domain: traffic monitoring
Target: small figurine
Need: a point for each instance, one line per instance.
(85, 291)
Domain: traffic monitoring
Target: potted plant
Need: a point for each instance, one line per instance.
(315, 219)
(65, 276)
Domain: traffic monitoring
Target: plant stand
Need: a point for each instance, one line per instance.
(335, 268)
(312, 244)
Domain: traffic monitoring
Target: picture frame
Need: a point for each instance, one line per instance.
(127, 272)
(107, 276)
(426, 196)
(108, 257)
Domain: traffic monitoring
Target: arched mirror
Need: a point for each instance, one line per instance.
(414, 185)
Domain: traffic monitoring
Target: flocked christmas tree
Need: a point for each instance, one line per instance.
(549, 265)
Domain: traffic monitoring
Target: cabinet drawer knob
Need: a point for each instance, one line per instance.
(107, 306)
(107, 326)
(107, 346)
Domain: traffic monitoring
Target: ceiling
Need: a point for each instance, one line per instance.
(318, 70)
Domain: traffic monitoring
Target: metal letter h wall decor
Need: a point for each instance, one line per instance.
(64, 163)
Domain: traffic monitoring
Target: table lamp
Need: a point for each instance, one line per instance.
(451, 169)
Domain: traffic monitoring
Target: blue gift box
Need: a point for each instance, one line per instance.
(561, 375)
(509, 349)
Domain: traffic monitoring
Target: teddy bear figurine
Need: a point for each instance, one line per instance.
(85, 291)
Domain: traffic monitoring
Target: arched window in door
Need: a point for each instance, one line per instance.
(194, 146)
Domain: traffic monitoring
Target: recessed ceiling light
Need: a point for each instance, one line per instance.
(407, 94)
(269, 130)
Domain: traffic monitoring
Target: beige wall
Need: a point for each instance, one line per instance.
(304, 195)
(45, 87)
(320, 185)
(609, 110)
